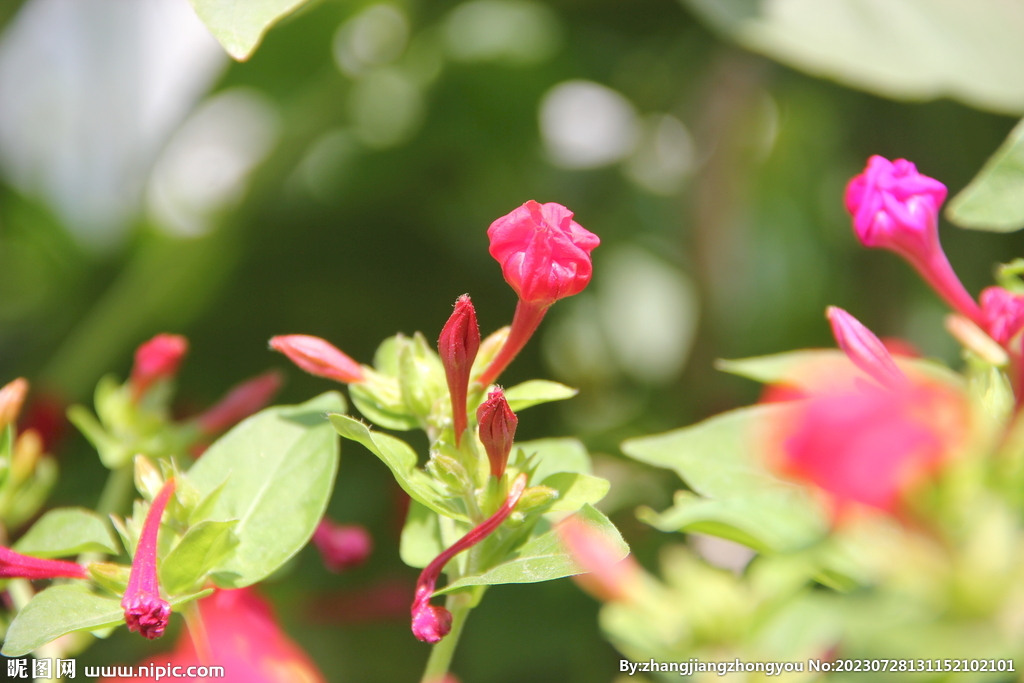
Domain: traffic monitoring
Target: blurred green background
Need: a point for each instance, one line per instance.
(340, 183)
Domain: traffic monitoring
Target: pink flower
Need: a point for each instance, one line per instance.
(12, 396)
(318, 357)
(894, 207)
(865, 349)
(17, 566)
(545, 256)
(240, 402)
(145, 611)
(497, 426)
(243, 637)
(607, 576)
(1003, 314)
(342, 545)
(431, 623)
(157, 359)
(458, 346)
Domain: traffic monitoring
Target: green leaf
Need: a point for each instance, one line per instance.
(239, 25)
(556, 455)
(277, 469)
(374, 407)
(904, 49)
(401, 460)
(994, 200)
(537, 391)
(112, 454)
(67, 531)
(201, 549)
(721, 460)
(421, 536)
(63, 609)
(543, 558)
(576, 490)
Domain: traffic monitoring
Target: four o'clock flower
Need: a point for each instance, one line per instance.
(865, 349)
(318, 357)
(497, 427)
(609, 576)
(545, 256)
(1002, 314)
(342, 545)
(458, 346)
(144, 610)
(12, 396)
(17, 566)
(240, 402)
(431, 623)
(156, 359)
(894, 207)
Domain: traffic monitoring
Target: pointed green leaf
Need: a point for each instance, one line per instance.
(576, 490)
(239, 25)
(994, 200)
(67, 531)
(722, 461)
(277, 469)
(401, 460)
(201, 549)
(421, 536)
(537, 391)
(543, 558)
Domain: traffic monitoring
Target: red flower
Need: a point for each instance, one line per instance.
(240, 402)
(342, 545)
(17, 566)
(497, 426)
(144, 610)
(157, 359)
(1003, 314)
(458, 346)
(318, 357)
(607, 575)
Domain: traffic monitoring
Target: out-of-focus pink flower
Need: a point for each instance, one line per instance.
(608, 576)
(431, 623)
(894, 207)
(458, 346)
(240, 402)
(14, 565)
(545, 256)
(318, 357)
(157, 359)
(864, 349)
(342, 545)
(12, 396)
(145, 611)
(244, 638)
(1003, 314)
(497, 426)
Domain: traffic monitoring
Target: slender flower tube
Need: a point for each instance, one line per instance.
(12, 396)
(17, 566)
(157, 359)
(458, 346)
(894, 207)
(865, 349)
(240, 402)
(497, 425)
(318, 357)
(144, 610)
(431, 623)
(609, 576)
(342, 545)
(545, 256)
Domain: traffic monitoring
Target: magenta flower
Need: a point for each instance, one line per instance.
(157, 359)
(545, 256)
(497, 427)
(240, 402)
(144, 610)
(318, 357)
(865, 349)
(607, 576)
(431, 623)
(894, 207)
(12, 396)
(342, 545)
(1003, 314)
(17, 566)
(458, 346)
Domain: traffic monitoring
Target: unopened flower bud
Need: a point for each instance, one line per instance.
(537, 497)
(148, 478)
(318, 357)
(12, 396)
(450, 471)
(14, 565)
(240, 402)
(342, 545)
(497, 424)
(458, 346)
(155, 360)
(865, 349)
(420, 376)
(145, 611)
(608, 575)
(894, 207)
(1002, 314)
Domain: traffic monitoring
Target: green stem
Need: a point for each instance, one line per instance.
(116, 491)
(441, 654)
(197, 631)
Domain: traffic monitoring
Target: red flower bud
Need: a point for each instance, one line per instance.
(608, 575)
(342, 545)
(12, 396)
(458, 346)
(497, 429)
(240, 402)
(894, 207)
(865, 349)
(157, 359)
(17, 566)
(431, 623)
(318, 357)
(1003, 313)
(145, 611)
